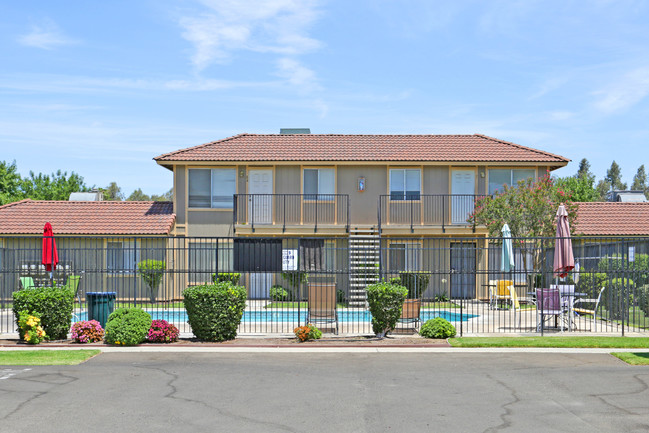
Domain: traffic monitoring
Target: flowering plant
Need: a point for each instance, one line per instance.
(29, 324)
(308, 332)
(162, 331)
(87, 331)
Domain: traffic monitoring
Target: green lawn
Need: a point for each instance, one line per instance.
(46, 357)
(552, 341)
(633, 358)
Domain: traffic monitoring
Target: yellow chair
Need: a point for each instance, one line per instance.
(502, 291)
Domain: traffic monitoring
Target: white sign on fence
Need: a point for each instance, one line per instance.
(289, 260)
(632, 254)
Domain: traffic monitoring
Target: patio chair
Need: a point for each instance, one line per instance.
(73, 283)
(548, 306)
(567, 293)
(410, 312)
(499, 292)
(322, 304)
(579, 309)
(26, 283)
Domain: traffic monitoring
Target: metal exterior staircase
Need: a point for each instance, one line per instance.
(364, 255)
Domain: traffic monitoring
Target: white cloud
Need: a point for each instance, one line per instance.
(46, 36)
(625, 92)
(265, 26)
(297, 74)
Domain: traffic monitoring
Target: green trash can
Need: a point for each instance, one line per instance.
(100, 305)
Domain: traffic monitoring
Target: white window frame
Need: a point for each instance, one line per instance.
(511, 177)
(404, 175)
(320, 195)
(226, 202)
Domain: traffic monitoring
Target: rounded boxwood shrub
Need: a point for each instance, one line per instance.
(127, 326)
(55, 305)
(386, 302)
(214, 311)
(437, 328)
(222, 277)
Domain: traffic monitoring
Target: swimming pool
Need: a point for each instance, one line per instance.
(294, 316)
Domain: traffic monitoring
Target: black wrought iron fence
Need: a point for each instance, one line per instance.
(459, 279)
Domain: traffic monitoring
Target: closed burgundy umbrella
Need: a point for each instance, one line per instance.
(564, 260)
(50, 255)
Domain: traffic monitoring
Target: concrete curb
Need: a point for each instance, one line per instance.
(324, 349)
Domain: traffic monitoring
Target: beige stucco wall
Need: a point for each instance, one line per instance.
(362, 205)
(435, 180)
(180, 198)
(209, 223)
(287, 180)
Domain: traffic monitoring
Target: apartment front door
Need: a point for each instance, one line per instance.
(462, 195)
(463, 267)
(260, 198)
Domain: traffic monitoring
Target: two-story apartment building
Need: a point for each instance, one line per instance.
(356, 188)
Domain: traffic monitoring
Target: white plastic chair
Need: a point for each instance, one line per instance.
(577, 308)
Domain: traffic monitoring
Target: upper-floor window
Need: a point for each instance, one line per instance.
(509, 176)
(212, 188)
(405, 184)
(318, 182)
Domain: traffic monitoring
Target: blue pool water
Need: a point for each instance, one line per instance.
(291, 316)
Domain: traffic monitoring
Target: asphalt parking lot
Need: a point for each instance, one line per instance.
(328, 392)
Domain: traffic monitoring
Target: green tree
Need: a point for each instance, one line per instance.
(603, 187)
(614, 177)
(167, 196)
(10, 183)
(138, 195)
(57, 186)
(113, 192)
(580, 189)
(640, 181)
(584, 171)
(530, 210)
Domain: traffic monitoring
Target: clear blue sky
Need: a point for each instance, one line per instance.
(100, 88)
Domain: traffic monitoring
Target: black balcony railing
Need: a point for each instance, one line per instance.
(436, 210)
(311, 210)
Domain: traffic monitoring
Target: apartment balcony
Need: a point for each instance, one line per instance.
(437, 212)
(291, 213)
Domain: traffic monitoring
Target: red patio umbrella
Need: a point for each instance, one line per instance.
(564, 260)
(50, 256)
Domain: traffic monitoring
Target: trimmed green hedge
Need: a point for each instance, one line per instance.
(152, 272)
(214, 311)
(127, 326)
(386, 302)
(415, 282)
(437, 328)
(55, 304)
(222, 277)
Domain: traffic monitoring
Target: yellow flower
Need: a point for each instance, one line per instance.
(26, 337)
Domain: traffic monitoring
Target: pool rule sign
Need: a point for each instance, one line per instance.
(289, 260)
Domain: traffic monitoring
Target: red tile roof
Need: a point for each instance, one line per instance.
(88, 217)
(613, 218)
(330, 147)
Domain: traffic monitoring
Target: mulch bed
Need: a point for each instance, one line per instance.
(335, 341)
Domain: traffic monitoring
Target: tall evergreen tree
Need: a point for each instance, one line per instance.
(640, 181)
(614, 177)
(584, 171)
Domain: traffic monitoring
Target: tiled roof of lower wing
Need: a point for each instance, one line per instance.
(613, 219)
(331, 147)
(88, 217)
